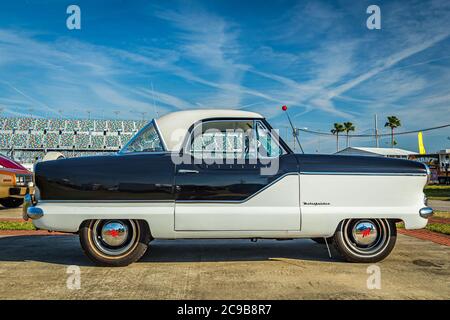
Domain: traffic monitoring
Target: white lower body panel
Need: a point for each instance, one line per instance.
(276, 208)
(276, 212)
(326, 200)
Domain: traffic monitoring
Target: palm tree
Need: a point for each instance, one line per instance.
(348, 126)
(393, 122)
(337, 128)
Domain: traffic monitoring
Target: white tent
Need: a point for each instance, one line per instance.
(377, 152)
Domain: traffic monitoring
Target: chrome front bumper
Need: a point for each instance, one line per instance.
(29, 211)
(426, 212)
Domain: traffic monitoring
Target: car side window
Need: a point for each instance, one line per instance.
(233, 139)
(147, 140)
(268, 146)
(222, 140)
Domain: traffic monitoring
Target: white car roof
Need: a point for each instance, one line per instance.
(174, 126)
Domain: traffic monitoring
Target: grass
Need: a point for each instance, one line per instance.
(437, 192)
(443, 228)
(439, 227)
(12, 225)
(441, 214)
(400, 225)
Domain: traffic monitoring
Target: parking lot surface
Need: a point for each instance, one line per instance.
(35, 267)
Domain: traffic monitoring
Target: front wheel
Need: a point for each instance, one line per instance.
(365, 240)
(114, 242)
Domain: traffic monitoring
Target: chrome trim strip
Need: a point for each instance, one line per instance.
(160, 135)
(105, 201)
(187, 171)
(332, 173)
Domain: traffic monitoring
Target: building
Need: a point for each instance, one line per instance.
(439, 164)
(377, 152)
(28, 139)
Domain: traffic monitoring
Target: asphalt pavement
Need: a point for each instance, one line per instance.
(39, 267)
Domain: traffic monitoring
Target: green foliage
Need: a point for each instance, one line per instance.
(439, 227)
(348, 126)
(437, 192)
(393, 122)
(12, 225)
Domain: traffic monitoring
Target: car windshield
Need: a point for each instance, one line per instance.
(146, 140)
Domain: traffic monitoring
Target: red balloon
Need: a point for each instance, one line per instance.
(284, 108)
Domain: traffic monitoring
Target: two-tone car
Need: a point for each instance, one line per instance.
(15, 182)
(209, 174)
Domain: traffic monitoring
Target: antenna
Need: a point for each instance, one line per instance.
(294, 131)
(143, 113)
(154, 103)
(376, 129)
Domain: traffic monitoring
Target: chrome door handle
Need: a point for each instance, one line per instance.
(187, 171)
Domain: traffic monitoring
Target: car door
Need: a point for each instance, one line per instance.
(231, 183)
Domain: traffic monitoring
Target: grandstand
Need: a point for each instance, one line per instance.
(27, 139)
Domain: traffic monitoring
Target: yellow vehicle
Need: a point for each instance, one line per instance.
(15, 182)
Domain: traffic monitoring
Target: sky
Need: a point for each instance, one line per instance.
(135, 59)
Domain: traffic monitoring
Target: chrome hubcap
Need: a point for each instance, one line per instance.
(364, 233)
(114, 237)
(365, 237)
(114, 233)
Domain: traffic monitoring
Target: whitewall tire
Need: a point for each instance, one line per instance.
(365, 240)
(114, 242)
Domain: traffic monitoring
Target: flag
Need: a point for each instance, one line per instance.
(421, 146)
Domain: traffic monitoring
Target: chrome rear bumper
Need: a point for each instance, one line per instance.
(426, 212)
(29, 211)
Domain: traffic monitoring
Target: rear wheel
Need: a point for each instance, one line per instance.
(365, 240)
(113, 242)
(11, 202)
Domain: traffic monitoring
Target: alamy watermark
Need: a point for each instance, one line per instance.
(213, 146)
(374, 20)
(73, 281)
(73, 21)
(374, 279)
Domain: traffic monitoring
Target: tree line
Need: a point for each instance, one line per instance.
(392, 122)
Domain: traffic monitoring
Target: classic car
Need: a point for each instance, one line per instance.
(14, 182)
(225, 174)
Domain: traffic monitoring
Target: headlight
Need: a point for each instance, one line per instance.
(20, 180)
(23, 180)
